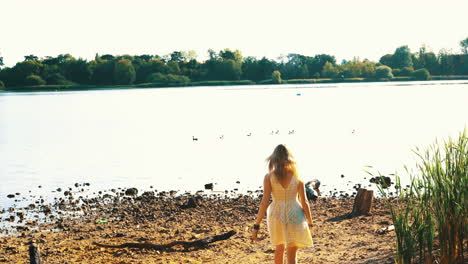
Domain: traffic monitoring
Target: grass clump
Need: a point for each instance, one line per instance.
(432, 212)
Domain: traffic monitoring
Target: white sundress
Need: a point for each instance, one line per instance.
(287, 223)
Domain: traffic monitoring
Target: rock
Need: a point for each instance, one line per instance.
(237, 182)
(342, 176)
(86, 184)
(131, 191)
(20, 215)
(66, 193)
(46, 210)
(22, 228)
(191, 203)
(209, 186)
(11, 196)
(148, 194)
(77, 184)
(59, 189)
(384, 181)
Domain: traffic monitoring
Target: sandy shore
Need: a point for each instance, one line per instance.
(159, 219)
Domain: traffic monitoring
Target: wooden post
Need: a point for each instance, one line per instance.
(34, 255)
(363, 202)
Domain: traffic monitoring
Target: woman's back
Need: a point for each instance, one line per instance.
(284, 191)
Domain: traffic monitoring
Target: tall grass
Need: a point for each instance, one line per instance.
(434, 206)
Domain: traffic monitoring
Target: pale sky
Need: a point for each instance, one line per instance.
(343, 28)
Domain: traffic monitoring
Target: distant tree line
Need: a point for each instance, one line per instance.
(182, 68)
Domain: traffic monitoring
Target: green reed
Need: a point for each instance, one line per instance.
(434, 205)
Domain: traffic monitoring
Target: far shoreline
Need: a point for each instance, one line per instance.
(84, 87)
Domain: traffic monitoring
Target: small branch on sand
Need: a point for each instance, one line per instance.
(34, 255)
(186, 244)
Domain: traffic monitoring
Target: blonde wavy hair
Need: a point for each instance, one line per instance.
(281, 162)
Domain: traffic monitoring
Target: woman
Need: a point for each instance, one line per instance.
(289, 219)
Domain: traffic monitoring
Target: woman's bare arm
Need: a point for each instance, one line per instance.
(265, 199)
(304, 202)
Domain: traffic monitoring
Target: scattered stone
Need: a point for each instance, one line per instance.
(11, 196)
(384, 181)
(131, 191)
(209, 186)
(46, 210)
(59, 189)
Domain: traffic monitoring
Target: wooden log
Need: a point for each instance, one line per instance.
(186, 244)
(362, 202)
(34, 255)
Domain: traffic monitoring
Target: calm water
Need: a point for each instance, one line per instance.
(138, 138)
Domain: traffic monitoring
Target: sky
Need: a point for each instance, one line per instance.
(270, 28)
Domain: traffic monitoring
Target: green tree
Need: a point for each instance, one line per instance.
(421, 74)
(229, 70)
(2, 85)
(402, 58)
(464, 46)
(386, 60)
(34, 80)
(57, 78)
(189, 55)
(446, 62)
(102, 71)
(1, 61)
(276, 77)
(368, 69)
(124, 72)
(383, 72)
(148, 67)
(330, 71)
(22, 70)
(407, 71)
(177, 57)
(173, 67)
(31, 57)
(77, 71)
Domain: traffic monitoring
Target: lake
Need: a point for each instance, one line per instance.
(145, 137)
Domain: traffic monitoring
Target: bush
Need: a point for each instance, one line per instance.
(396, 72)
(34, 80)
(383, 72)
(169, 79)
(2, 85)
(299, 81)
(276, 77)
(421, 74)
(406, 71)
(57, 78)
(218, 83)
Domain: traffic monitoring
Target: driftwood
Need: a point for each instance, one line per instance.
(186, 244)
(362, 202)
(34, 255)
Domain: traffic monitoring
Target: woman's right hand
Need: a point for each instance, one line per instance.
(254, 235)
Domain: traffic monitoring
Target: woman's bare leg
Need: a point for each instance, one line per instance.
(279, 253)
(291, 255)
